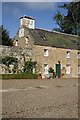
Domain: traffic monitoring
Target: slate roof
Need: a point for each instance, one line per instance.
(55, 39)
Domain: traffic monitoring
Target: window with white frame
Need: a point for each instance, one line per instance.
(68, 54)
(25, 21)
(31, 22)
(68, 69)
(45, 52)
(16, 42)
(78, 55)
(21, 21)
(78, 69)
(27, 40)
(45, 68)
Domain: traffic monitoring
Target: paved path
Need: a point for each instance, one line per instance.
(40, 98)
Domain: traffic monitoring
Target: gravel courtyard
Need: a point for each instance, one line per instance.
(55, 98)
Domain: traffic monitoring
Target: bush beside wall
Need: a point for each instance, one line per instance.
(19, 76)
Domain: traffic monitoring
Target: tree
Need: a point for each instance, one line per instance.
(4, 37)
(69, 23)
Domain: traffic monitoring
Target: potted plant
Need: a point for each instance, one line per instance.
(62, 75)
(56, 75)
(51, 72)
(39, 76)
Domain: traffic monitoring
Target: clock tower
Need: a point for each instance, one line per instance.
(27, 21)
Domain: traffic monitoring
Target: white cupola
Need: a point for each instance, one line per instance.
(27, 21)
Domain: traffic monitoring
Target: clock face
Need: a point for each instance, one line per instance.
(21, 32)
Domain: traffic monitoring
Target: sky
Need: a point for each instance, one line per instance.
(42, 12)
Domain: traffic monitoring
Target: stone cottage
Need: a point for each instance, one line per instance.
(50, 49)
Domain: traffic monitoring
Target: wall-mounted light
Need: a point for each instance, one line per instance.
(59, 62)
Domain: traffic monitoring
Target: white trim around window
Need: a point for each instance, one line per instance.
(21, 21)
(45, 52)
(78, 55)
(27, 40)
(16, 42)
(68, 54)
(79, 69)
(68, 69)
(45, 68)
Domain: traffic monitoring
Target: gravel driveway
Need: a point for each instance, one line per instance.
(55, 98)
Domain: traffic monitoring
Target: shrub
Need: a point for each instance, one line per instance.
(19, 76)
(28, 66)
(62, 74)
(51, 70)
(10, 60)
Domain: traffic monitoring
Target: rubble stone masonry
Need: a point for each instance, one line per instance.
(16, 52)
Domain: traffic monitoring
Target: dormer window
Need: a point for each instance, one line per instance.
(27, 40)
(16, 42)
(68, 54)
(43, 37)
(45, 52)
(78, 55)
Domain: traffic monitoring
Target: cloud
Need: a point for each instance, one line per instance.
(16, 12)
(6, 8)
(11, 11)
(40, 6)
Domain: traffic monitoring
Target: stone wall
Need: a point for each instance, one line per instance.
(16, 52)
(55, 55)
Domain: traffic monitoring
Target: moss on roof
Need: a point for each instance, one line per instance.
(55, 39)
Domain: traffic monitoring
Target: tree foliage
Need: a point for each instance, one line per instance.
(10, 61)
(69, 23)
(28, 66)
(4, 37)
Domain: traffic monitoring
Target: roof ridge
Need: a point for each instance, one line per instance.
(57, 32)
(25, 16)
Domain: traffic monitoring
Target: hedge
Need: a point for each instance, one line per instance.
(19, 76)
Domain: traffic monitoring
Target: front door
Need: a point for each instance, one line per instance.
(58, 70)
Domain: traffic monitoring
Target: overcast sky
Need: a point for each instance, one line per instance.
(42, 12)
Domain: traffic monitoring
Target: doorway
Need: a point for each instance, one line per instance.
(58, 70)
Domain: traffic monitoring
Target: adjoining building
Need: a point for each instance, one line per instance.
(50, 49)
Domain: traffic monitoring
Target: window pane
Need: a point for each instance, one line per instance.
(68, 54)
(78, 55)
(26, 40)
(45, 69)
(79, 69)
(25, 21)
(45, 52)
(21, 21)
(16, 42)
(68, 69)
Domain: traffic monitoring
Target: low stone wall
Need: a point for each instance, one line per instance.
(16, 52)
